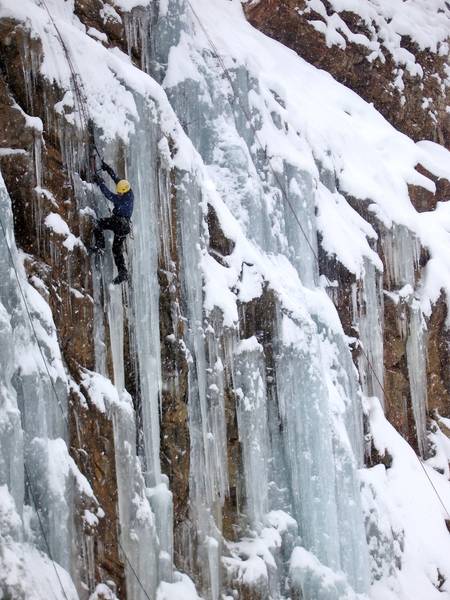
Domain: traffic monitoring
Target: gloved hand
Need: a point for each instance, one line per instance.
(105, 167)
(97, 179)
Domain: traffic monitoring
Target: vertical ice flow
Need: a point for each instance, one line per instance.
(316, 449)
(138, 533)
(33, 381)
(368, 316)
(252, 413)
(402, 251)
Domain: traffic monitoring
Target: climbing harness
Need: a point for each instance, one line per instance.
(288, 202)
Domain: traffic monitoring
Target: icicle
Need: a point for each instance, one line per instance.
(137, 33)
(249, 378)
(417, 371)
(368, 315)
(144, 283)
(402, 252)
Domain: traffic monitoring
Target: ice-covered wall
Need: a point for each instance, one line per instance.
(239, 422)
(37, 475)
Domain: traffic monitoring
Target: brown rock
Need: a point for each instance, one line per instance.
(285, 21)
(422, 199)
(438, 360)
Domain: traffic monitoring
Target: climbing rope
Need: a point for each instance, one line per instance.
(226, 72)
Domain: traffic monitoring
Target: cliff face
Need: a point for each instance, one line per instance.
(393, 55)
(203, 430)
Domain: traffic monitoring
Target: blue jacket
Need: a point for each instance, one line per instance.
(123, 203)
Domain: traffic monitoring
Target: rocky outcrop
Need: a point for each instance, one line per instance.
(342, 42)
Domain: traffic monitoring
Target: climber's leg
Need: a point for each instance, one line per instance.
(117, 250)
(99, 238)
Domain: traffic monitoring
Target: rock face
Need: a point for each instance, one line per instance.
(213, 422)
(361, 47)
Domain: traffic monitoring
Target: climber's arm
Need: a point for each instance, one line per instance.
(110, 171)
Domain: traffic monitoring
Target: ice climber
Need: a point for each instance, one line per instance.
(119, 222)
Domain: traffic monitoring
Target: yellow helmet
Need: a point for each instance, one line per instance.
(123, 186)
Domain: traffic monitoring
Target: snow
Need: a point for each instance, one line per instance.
(404, 492)
(98, 35)
(10, 522)
(109, 13)
(436, 158)
(103, 393)
(55, 222)
(427, 24)
(346, 233)
(183, 587)
(103, 592)
(250, 344)
(281, 521)
(30, 574)
(59, 466)
(128, 5)
(252, 558)
(25, 571)
(323, 143)
(310, 575)
(12, 151)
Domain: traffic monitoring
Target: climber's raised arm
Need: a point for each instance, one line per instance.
(110, 171)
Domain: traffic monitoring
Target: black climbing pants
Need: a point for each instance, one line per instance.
(121, 228)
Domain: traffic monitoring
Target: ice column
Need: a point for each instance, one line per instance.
(416, 355)
(42, 403)
(368, 314)
(312, 396)
(307, 438)
(249, 379)
(144, 248)
(208, 472)
(138, 534)
(11, 436)
(146, 166)
(402, 252)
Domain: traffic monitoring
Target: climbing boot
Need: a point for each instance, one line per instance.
(121, 277)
